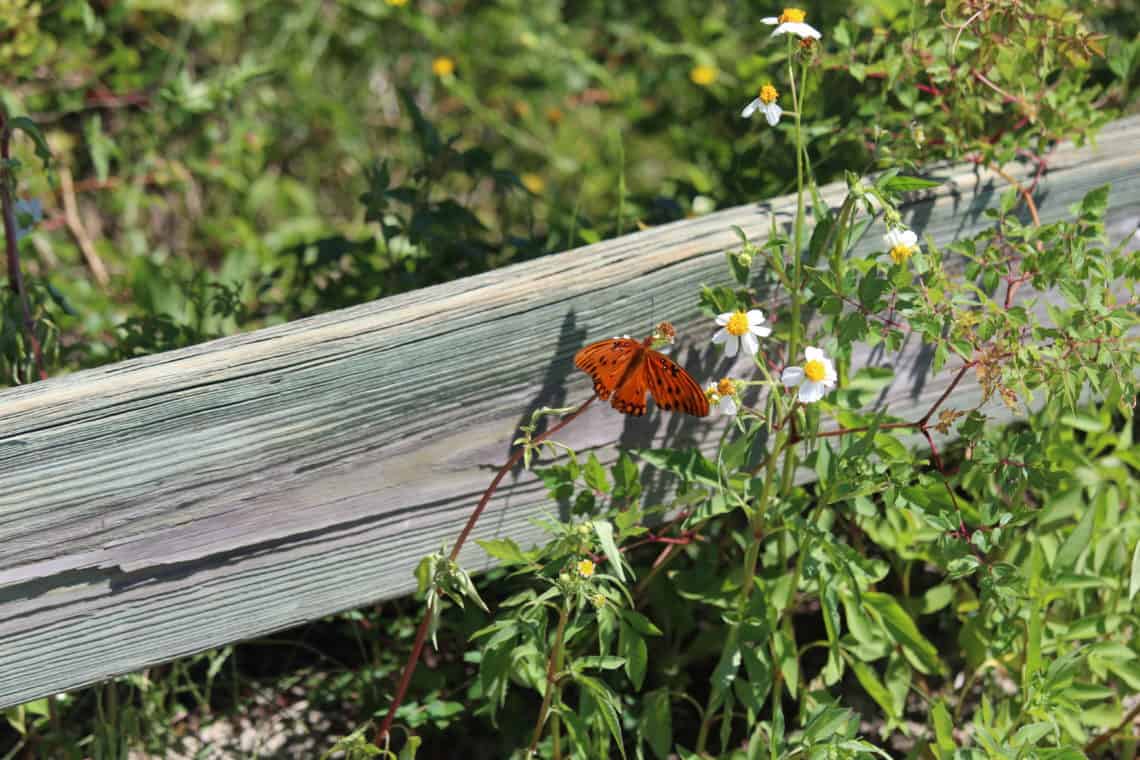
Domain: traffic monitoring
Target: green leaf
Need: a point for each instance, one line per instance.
(595, 662)
(943, 729)
(604, 530)
(689, 464)
(605, 699)
(639, 623)
(902, 629)
(411, 748)
(1134, 579)
(874, 687)
(595, 475)
(504, 550)
(906, 184)
(1077, 542)
(631, 646)
(1028, 736)
(32, 130)
(656, 724)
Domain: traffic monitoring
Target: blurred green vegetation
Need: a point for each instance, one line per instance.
(235, 164)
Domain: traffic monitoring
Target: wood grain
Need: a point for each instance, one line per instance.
(165, 505)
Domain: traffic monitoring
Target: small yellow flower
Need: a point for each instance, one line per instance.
(726, 387)
(598, 600)
(554, 114)
(443, 66)
(397, 3)
(703, 75)
(585, 568)
(533, 182)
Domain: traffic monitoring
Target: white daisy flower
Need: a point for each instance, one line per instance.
(901, 244)
(28, 214)
(723, 396)
(815, 379)
(738, 327)
(766, 104)
(791, 21)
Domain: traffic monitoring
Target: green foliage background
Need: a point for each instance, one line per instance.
(243, 163)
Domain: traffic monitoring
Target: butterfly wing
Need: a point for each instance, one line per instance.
(672, 387)
(606, 363)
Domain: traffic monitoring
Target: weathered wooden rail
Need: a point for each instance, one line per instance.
(165, 505)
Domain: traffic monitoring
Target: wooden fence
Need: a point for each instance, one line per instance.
(164, 505)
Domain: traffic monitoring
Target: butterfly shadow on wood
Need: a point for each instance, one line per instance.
(552, 392)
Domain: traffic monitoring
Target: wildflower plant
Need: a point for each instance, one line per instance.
(802, 558)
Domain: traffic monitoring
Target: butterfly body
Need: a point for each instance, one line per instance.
(625, 370)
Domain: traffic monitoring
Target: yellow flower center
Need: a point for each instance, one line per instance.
(768, 94)
(443, 66)
(703, 75)
(533, 182)
(901, 253)
(726, 387)
(737, 324)
(815, 370)
(793, 16)
(585, 568)
(599, 600)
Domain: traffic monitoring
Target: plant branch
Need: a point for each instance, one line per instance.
(1103, 738)
(552, 667)
(15, 276)
(421, 632)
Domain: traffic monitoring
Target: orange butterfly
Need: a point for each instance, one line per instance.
(626, 369)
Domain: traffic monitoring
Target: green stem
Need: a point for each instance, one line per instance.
(554, 666)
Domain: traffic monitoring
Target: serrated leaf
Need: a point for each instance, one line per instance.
(595, 475)
(503, 549)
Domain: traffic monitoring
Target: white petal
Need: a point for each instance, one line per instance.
(810, 392)
(792, 376)
(829, 376)
(731, 346)
(770, 20)
(815, 354)
(909, 239)
(728, 406)
(772, 113)
(722, 319)
(721, 336)
(751, 108)
(797, 28)
(762, 330)
(755, 317)
(751, 344)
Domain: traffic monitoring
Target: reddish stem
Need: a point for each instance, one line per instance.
(421, 632)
